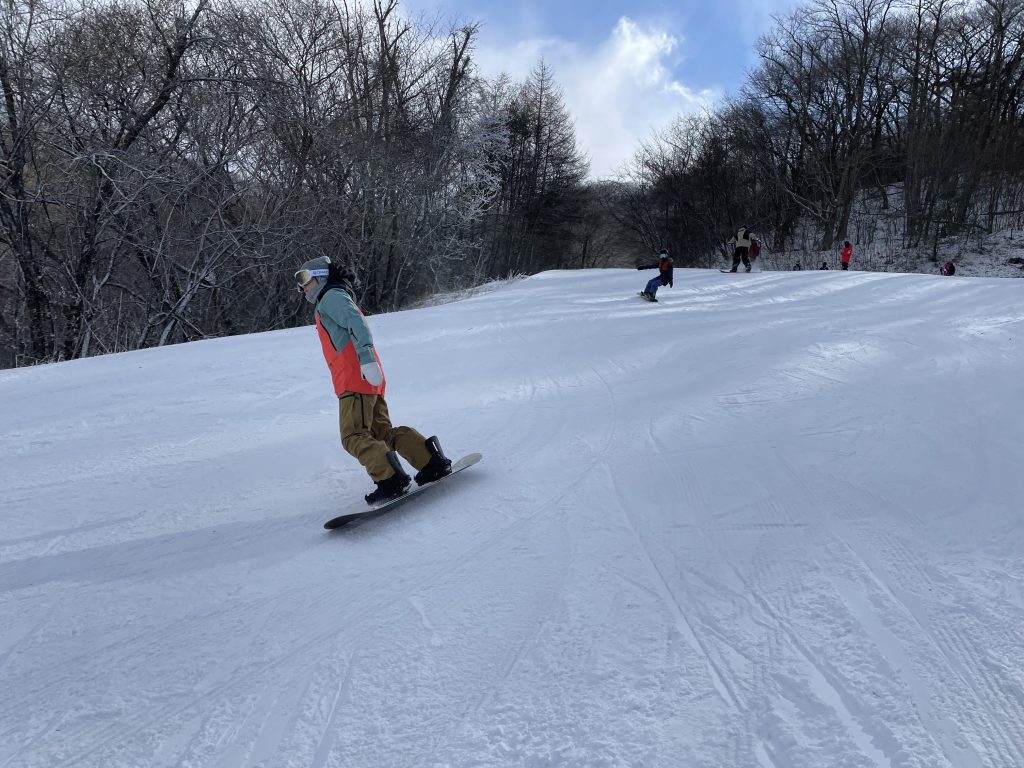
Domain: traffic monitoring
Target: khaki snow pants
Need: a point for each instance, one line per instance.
(367, 434)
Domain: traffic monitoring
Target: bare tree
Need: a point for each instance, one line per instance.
(166, 165)
(27, 97)
(541, 171)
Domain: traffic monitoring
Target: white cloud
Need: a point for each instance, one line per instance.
(618, 92)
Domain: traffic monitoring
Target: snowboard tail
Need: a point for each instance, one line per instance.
(386, 506)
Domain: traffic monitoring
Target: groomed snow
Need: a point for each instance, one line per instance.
(774, 520)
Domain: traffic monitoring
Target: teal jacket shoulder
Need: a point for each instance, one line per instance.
(344, 323)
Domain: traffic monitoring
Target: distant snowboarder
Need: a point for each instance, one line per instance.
(664, 277)
(741, 240)
(366, 430)
(824, 265)
(949, 268)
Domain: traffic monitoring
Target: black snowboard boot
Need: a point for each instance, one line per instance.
(391, 487)
(438, 466)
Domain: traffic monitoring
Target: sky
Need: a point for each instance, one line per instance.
(772, 520)
(626, 69)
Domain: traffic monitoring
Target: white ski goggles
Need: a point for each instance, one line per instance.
(303, 276)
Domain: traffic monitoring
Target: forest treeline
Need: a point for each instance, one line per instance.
(852, 98)
(164, 167)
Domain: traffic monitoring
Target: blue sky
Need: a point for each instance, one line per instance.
(626, 69)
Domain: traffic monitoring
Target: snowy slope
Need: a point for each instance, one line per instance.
(772, 521)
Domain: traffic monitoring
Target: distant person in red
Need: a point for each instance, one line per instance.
(755, 249)
(846, 253)
(664, 277)
(948, 268)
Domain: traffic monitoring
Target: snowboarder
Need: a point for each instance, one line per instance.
(824, 265)
(846, 253)
(797, 267)
(664, 277)
(948, 268)
(742, 242)
(366, 430)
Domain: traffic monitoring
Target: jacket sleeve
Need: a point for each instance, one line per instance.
(344, 322)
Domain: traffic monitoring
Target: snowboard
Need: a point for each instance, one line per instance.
(386, 506)
(727, 271)
(646, 298)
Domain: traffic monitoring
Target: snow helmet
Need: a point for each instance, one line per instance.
(948, 268)
(315, 269)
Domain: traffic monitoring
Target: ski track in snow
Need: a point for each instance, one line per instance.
(771, 521)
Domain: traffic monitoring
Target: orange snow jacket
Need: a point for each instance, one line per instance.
(347, 343)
